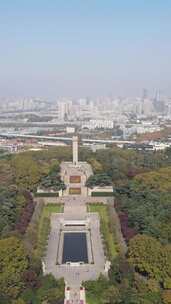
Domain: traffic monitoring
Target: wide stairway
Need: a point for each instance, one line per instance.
(74, 295)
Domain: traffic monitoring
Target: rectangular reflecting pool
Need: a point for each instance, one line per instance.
(75, 247)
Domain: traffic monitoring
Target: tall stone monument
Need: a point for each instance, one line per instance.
(75, 150)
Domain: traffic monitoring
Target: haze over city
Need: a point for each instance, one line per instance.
(84, 48)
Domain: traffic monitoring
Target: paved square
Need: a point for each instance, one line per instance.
(75, 274)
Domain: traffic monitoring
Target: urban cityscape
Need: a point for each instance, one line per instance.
(140, 123)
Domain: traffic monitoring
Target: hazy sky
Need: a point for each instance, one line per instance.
(84, 47)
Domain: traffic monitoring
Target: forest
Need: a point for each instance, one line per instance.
(142, 187)
(22, 236)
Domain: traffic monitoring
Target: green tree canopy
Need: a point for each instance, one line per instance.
(26, 170)
(13, 262)
(151, 259)
(159, 180)
(99, 180)
(96, 165)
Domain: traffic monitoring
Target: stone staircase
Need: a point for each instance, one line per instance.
(74, 295)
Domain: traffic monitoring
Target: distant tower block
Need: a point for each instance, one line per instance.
(75, 150)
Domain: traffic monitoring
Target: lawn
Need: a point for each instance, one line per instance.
(105, 229)
(50, 208)
(44, 226)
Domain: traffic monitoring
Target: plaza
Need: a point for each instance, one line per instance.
(75, 246)
(79, 220)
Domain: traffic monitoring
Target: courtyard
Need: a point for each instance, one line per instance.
(75, 265)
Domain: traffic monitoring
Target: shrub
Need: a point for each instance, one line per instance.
(99, 180)
(47, 194)
(128, 232)
(102, 194)
(26, 214)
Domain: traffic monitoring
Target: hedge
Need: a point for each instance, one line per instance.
(46, 194)
(102, 194)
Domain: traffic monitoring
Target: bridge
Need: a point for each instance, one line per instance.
(67, 139)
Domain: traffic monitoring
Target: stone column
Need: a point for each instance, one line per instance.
(75, 150)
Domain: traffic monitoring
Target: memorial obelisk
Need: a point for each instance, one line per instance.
(75, 150)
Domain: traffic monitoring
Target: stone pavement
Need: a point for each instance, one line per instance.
(75, 210)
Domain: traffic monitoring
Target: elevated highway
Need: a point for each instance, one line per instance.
(65, 139)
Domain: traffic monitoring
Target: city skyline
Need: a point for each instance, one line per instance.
(84, 49)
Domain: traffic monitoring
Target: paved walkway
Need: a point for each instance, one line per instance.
(75, 209)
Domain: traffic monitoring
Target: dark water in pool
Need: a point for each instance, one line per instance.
(75, 247)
